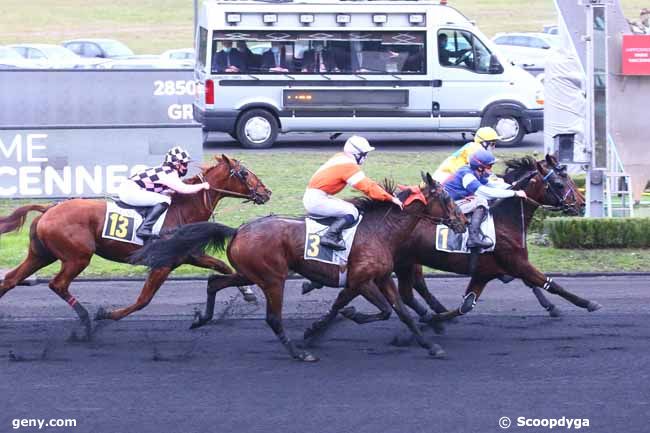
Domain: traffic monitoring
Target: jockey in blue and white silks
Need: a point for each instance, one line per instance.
(471, 188)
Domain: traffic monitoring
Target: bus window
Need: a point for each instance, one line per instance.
(463, 50)
(374, 52)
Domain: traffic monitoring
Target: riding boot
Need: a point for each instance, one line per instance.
(333, 238)
(476, 239)
(144, 231)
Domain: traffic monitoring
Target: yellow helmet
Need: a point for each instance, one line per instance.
(486, 134)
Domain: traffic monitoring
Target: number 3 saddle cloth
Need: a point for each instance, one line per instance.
(121, 223)
(315, 251)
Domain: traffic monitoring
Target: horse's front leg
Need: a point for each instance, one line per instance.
(553, 311)
(476, 285)
(409, 278)
(208, 262)
(317, 328)
(535, 278)
(152, 284)
(387, 287)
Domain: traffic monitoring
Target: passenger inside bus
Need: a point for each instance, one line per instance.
(319, 59)
(252, 61)
(275, 59)
(229, 59)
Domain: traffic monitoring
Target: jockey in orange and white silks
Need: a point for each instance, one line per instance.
(341, 170)
(153, 186)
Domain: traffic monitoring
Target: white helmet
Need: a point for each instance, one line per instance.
(358, 147)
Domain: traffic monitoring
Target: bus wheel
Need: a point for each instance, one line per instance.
(257, 129)
(511, 128)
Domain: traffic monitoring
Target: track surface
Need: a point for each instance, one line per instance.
(149, 373)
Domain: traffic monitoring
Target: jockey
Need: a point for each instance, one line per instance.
(153, 186)
(485, 138)
(343, 168)
(471, 188)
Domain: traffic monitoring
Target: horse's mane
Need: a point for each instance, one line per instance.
(517, 168)
(367, 204)
(204, 170)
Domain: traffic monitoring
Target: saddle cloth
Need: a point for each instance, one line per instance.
(315, 251)
(120, 224)
(451, 242)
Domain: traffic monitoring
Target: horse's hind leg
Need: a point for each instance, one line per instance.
(70, 268)
(420, 286)
(31, 264)
(207, 262)
(154, 281)
(215, 284)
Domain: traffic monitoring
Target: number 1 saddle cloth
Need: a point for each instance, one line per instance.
(315, 251)
(121, 223)
(449, 241)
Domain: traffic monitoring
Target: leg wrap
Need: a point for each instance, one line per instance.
(548, 284)
(469, 301)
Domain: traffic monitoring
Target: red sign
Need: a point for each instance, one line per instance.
(636, 54)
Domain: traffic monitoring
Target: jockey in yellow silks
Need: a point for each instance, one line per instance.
(485, 138)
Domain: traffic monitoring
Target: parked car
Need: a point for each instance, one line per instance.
(10, 59)
(102, 48)
(528, 50)
(179, 58)
(53, 56)
(551, 29)
(144, 61)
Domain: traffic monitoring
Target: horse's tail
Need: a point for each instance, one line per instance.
(187, 240)
(17, 218)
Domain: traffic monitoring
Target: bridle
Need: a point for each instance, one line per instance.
(561, 205)
(436, 220)
(239, 173)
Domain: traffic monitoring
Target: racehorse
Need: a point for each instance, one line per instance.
(547, 185)
(264, 250)
(71, 231)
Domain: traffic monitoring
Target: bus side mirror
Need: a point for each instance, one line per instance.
(495, 65)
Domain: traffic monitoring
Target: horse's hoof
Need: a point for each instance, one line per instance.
(593, 306)
(438, 328)
(555, 312)
(348, 312)
(102, 314)
(306, 357)
(249, 295)
(399, 341)
(437, 352)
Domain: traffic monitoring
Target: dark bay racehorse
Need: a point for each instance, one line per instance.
(264, 250)
(71, 232)
(546, 184)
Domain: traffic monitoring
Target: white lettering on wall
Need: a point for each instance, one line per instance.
(63, 182)
(10, 171)
(115, 174)
(15, 147)
(31, 147)
(30, 175)
(92, 181)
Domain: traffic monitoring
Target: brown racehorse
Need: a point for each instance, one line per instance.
(71, 232)
(264, 250)
(546, 184)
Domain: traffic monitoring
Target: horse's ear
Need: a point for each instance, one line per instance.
(226, 159)
(424, 176)
(429, 180)
(550, 160)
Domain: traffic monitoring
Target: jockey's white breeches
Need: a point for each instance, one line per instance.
(468, 204)
(318, 202)
(131, 193)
